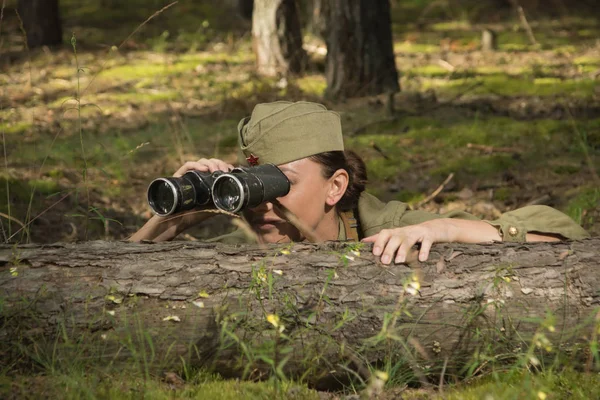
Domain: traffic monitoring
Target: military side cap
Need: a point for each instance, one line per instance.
(281, 132)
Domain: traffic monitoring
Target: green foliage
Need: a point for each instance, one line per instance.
(168, 95)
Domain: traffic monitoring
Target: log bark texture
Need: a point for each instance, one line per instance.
(277, 39)
(201, 301)
(360, 55)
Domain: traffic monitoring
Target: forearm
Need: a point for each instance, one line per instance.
(155, 229)
(468, 231)
(160, 229)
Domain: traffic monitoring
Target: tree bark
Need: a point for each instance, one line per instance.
(360, 53)
(41, 22)
(210, 303)
(277, 39)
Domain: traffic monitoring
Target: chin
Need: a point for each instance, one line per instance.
(273, 238)
(277, 235)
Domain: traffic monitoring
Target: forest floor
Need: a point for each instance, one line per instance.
(87, 126)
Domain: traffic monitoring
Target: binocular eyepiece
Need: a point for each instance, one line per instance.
(233, 191)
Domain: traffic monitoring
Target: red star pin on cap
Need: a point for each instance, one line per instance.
(252, 160)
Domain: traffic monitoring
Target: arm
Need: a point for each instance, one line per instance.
(531, 224)
(167, 228)
(160, 229)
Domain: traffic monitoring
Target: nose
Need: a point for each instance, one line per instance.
(262, 208)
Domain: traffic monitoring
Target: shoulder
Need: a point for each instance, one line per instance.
(375, 215)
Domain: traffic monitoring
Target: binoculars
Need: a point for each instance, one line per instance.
(233, 191)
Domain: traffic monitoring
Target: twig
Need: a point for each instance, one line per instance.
(492, 149)
(545, 199)
(40, 214)
(11, 218)
(446, 65)
(378, 149)
(441, 387)
(526, 25)
(436, 192)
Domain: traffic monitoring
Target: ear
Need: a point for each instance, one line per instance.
(338, 183)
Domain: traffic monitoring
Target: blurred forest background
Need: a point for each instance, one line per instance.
(479, 105)
(498, 99)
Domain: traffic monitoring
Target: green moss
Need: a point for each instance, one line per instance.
(506, 85)
(428, 70)
(516, 384)
(44, 186)
(469, 166)
(15, 128)
(451, 26)
(145, 69)
(141, 97)
(312, 84)
(587, 60)
(207, 58)
(567, 169)
(409, 196)
(409, 47)
(78, 384)
(503, 194)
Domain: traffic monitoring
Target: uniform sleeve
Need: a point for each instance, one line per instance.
(236, 237)
(513, 226)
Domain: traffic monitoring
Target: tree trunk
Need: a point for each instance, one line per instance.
(41, 22)
(210, 303)
(277, 39)
(360, 53)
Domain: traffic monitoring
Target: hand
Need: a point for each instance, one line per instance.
(394, 244)
(204, 165)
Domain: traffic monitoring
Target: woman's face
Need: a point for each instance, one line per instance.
(309, 200)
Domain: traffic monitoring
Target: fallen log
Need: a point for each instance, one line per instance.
(309, 309)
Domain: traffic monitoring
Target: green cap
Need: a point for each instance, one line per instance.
(281, 132)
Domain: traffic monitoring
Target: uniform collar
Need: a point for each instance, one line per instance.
(341, 229)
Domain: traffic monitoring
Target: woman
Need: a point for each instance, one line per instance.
(327, 199)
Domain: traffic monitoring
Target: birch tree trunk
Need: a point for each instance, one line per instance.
(307, 309)
(277, 39)
(360, 53)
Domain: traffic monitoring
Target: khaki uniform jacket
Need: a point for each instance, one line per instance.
(513, 226)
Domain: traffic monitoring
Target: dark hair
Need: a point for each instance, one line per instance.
(357, 171)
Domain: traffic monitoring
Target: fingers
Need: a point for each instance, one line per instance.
(379, 241)
(425, 247)
(395, 244)
(390, 249)
(204, 165)
(407, 244)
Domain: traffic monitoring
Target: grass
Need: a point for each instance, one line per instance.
(125, 386)
(176, 91)
(567, 384)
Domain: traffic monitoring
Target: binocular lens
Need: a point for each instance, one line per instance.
(229, 194)
(162, 196)
(241, 188)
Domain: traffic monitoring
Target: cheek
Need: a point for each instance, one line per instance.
(307, 202)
